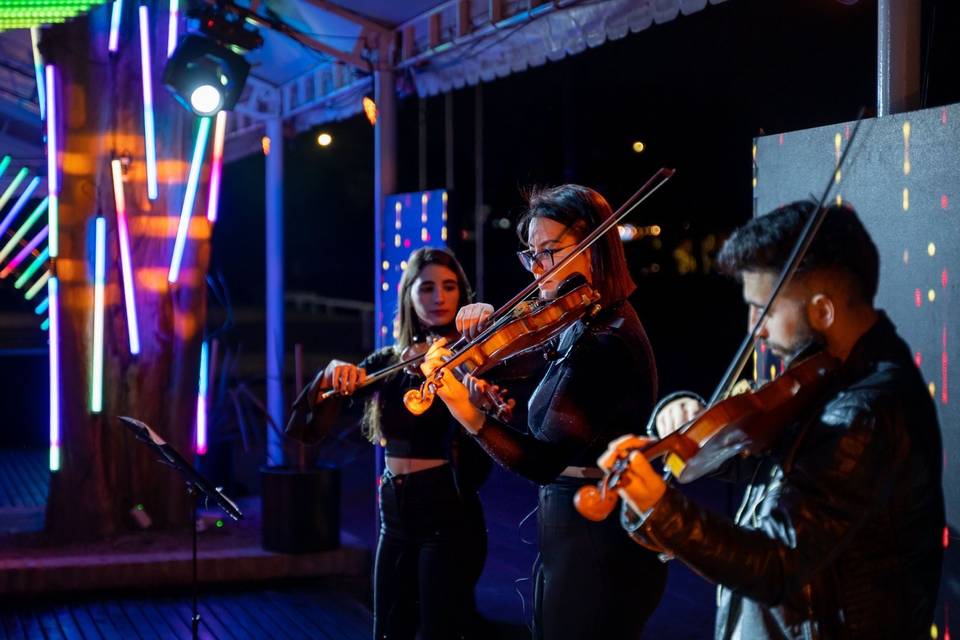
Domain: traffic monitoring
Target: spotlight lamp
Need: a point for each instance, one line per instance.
(204, 76)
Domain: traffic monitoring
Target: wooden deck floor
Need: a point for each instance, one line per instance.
(24, 478)
(286, 613)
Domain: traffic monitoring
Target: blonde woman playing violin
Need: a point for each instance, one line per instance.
(591, 581)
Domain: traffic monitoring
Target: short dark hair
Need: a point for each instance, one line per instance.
(842, 246)
(581, 210)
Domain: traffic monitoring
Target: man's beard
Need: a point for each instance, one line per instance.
(805, 341)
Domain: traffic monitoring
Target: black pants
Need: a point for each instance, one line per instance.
(591, 580)
(420, 576)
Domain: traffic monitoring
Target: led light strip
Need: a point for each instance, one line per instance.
(53, 177)
(149, 136)
(126, 264)
(114, 42)
(24, 228)
(172, 26)
(216, 170)
(38, 262)
(188, 199)
(201, 443)
(99, 275)
(53, 289)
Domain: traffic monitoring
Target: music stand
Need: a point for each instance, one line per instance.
(196, 485)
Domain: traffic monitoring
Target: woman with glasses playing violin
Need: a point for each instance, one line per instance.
(432, 543)
(591, 581)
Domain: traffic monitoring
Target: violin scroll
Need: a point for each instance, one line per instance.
(418, 401)
(595, 502)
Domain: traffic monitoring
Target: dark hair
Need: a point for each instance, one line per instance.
(407, 325)
(581, 210)
(842, 246)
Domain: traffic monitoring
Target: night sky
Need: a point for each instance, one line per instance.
(695, 91)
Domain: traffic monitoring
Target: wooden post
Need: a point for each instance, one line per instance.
(104, 472)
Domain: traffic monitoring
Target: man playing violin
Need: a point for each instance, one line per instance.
(839, 534)
(591, 581)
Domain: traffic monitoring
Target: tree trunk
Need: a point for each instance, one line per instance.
(104, 472)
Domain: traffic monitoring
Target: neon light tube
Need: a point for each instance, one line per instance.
(201, 444)
(172, 27)
(19, 204)
(12, 187)
(216, 169)
(188, 199)
(53, 178)
(38, 262)
(35, 289)
(99, 273)
(4, 164)
(45, 324)
(114, 42)
(42, 307)
(24, 228)
(25, 253)
(53, 289)
(126, 264)
(149, 137)
(38, 71)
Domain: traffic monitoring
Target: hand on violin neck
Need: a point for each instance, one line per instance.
(675, 414)
(489, 397)
(472, 319)
(639, 484)
(449, 389)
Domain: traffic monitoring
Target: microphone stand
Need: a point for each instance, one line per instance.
(196, 485)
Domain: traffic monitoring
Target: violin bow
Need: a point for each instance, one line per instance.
(789, 270)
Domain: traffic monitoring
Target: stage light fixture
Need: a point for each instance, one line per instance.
(205, 76)
(324, 139)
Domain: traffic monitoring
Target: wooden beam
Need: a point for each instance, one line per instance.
(434, 30)
(464, 23)
(496, 11)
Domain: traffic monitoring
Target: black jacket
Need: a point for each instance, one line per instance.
(840, 532)
(601, 383)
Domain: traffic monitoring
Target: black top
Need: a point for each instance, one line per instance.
(601, 384)
(406, 435)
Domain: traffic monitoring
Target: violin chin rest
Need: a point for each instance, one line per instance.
(570, 283)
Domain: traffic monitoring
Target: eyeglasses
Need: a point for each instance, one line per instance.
(530, 258)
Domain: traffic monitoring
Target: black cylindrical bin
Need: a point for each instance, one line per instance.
(301, 509)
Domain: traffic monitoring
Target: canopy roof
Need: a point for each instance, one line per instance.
(320, 62)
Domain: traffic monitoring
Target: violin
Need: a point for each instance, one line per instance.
(498, 407)
(524, 324)
(531, 325)
(743, 424)
(731, 425)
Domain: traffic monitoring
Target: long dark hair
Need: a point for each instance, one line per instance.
(407, 327)
(581, 210)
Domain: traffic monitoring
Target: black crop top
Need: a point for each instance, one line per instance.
(407, 436)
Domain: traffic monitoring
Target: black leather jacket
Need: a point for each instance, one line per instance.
(839, 534)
